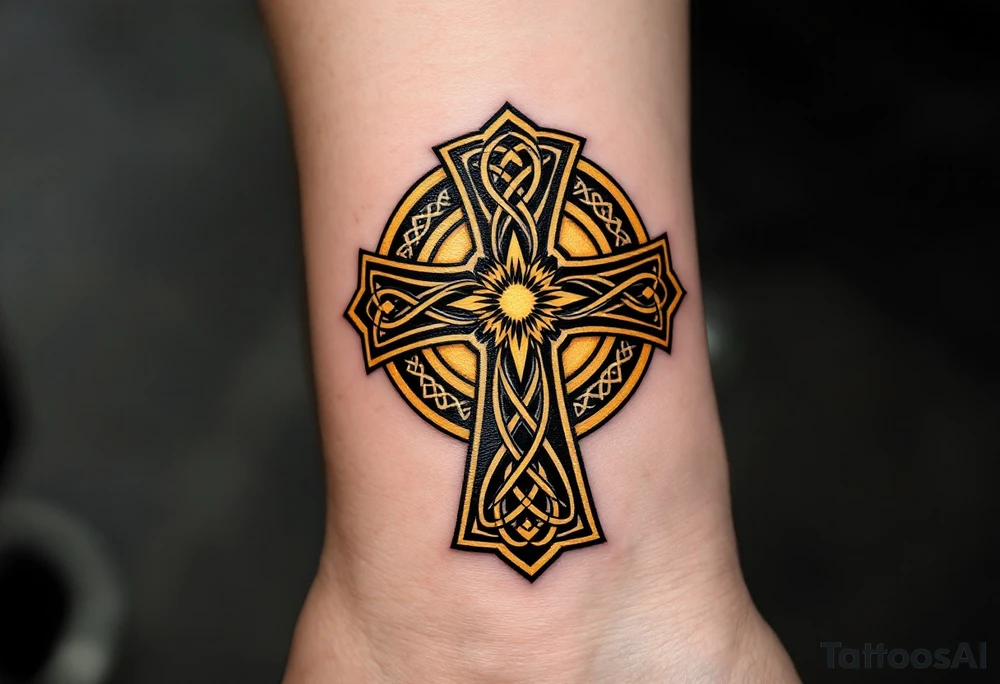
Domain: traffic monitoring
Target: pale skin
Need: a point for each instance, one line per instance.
(371, 87)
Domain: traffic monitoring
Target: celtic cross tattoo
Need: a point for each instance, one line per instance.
(514, 301)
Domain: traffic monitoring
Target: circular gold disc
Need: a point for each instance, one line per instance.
(601, 371)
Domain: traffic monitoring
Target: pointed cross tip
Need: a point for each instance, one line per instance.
(472, 303)
(519, 350)
(515, 257)
(565, 298)
(508, 110)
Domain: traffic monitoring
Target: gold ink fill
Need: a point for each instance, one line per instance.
(517, 302)
(514, 301)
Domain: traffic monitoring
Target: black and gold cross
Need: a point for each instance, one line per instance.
(516, 298)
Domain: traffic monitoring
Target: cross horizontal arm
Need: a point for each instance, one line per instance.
(403, 306)
(633, 293)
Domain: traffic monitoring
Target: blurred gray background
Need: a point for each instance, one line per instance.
(151, 309)
(151, 303)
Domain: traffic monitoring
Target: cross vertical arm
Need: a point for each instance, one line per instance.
(512, 177)
(526, 495)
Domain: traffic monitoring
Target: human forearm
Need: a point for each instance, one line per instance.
(373, 87)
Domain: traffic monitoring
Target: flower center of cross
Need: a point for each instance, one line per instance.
(517, 302)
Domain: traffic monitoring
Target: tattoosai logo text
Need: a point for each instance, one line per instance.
(964, 656)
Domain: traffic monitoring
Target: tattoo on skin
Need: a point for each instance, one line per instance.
(515, 300)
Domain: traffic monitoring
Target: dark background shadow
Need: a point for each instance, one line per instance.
(845, 192)
(150, 293)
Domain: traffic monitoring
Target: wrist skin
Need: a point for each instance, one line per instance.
(372, 87)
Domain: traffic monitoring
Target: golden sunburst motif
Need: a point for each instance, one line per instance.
(517, 305)
(502, 285)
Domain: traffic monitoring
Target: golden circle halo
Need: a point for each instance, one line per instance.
(584, 357)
